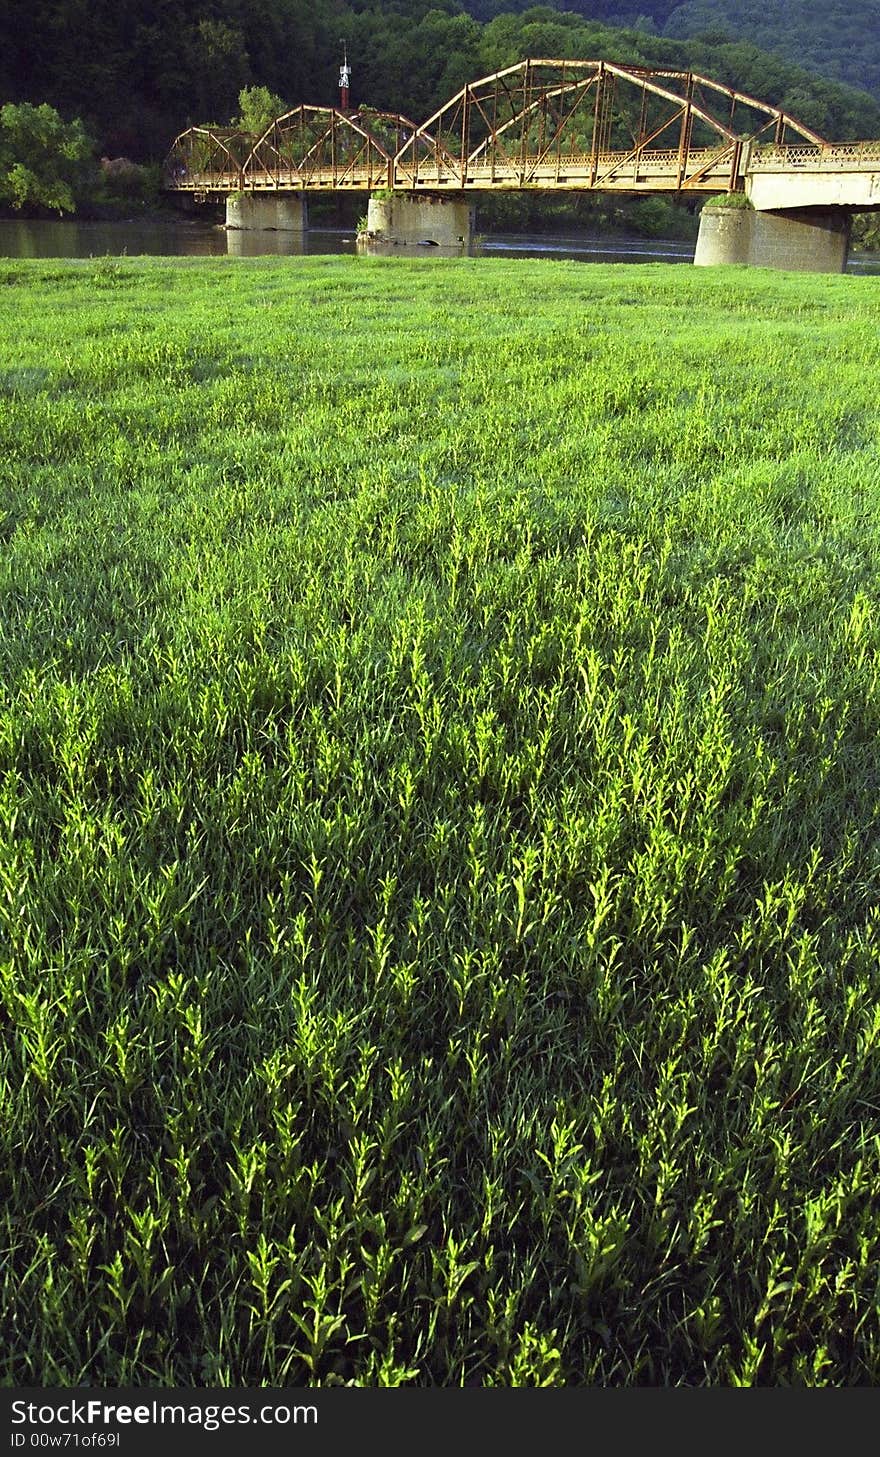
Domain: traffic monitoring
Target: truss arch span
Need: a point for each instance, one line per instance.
(204, 159)
(321, 146)
(557, 123)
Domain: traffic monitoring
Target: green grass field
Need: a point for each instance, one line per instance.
(440, 828)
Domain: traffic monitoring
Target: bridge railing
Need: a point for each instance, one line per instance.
(184, 179)
(362, 179)
(656, 170)
(703, 169)
(833, 157)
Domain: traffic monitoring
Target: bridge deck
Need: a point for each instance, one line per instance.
(663, 171)
(706, 170)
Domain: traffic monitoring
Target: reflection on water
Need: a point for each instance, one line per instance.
(377, 248)
(240, 243)
(595, 248)
(195, 237)
(171, 238)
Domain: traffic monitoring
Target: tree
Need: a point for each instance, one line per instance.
(219, 66)
(866, 231)
(45, 163)
(258, 108)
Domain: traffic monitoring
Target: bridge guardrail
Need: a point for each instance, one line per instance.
(835, 157)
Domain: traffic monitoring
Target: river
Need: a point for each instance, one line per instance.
(185, 237)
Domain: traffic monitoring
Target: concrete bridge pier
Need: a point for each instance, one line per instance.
(804, 240)
(283, 212)
(407, 219)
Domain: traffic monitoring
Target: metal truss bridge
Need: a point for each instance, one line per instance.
(544, 124)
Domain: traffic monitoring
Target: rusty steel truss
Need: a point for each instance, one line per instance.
(214, 154)
(320, 147)
(307, 149)
(547, 124)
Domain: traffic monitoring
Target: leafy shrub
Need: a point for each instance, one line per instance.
(730, 200)
(127, 183)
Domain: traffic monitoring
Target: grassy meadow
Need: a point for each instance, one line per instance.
(440, 827)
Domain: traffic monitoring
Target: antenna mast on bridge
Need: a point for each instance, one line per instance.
(344, 79)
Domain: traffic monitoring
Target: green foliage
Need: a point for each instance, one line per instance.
(129, 187)
(257, 109)
(46, 164)
(839, 39)
(543, 212)
(218, 65)
(649, 219)
(109, 273)
(439, 825)
(833, 110)
(179, 64)
(654, 217)
(737, 201)
(866, 231)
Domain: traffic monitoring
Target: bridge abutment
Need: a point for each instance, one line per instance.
(803, 240)
(806, 241)
(283, 212)
(407, 220)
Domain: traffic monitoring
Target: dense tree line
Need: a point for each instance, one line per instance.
(138, 71)
(839, 39)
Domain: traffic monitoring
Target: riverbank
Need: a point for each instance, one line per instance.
(191, 236)
(442, 826)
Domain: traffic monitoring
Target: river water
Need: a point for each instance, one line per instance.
(186, 237)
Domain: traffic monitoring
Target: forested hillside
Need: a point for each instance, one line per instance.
(137, 71)
(839, 39)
